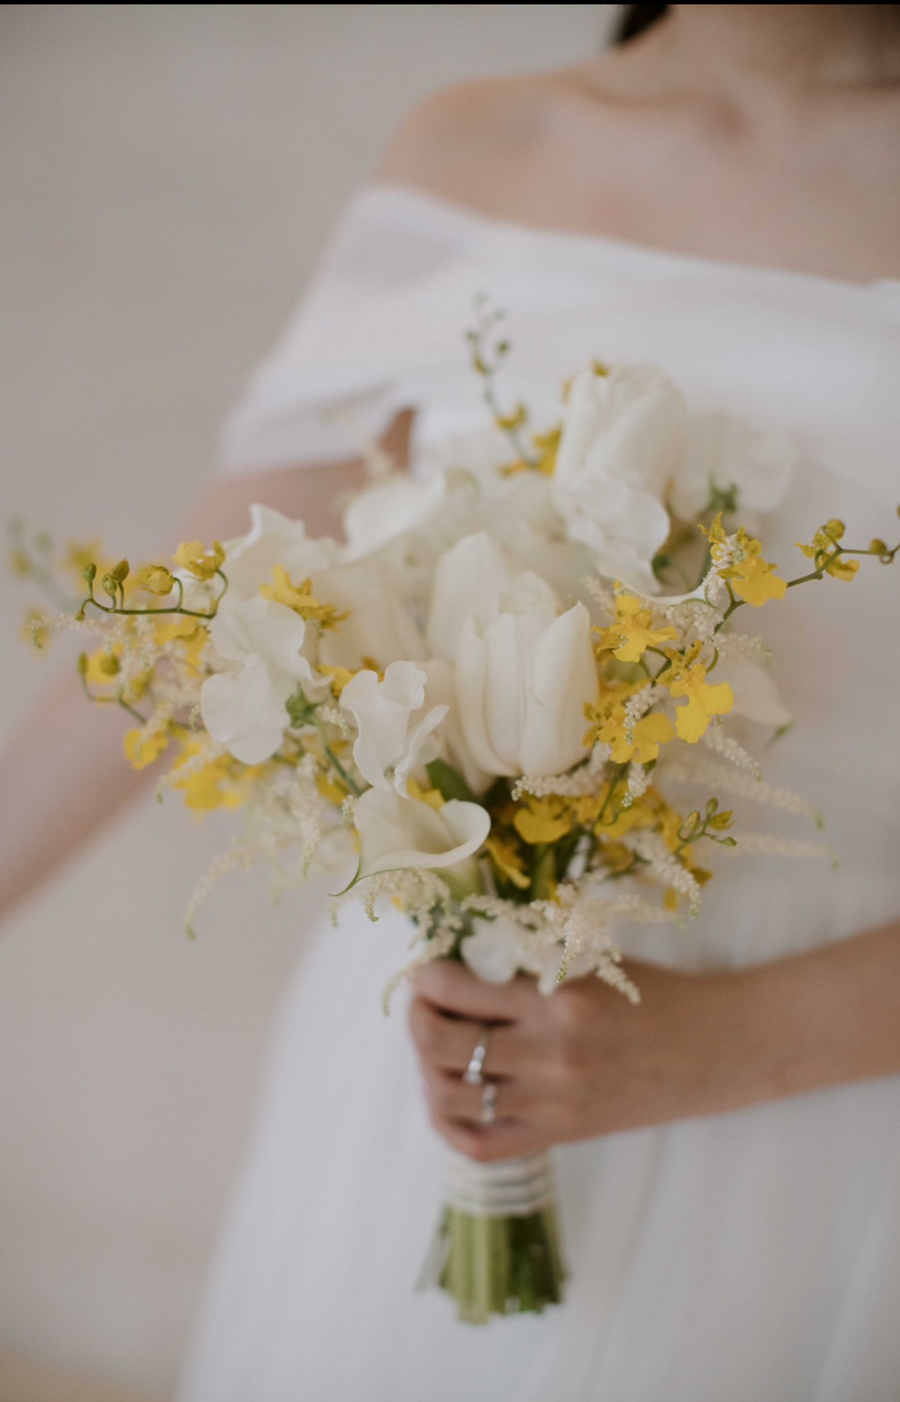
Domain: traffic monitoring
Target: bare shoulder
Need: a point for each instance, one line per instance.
(478, 143)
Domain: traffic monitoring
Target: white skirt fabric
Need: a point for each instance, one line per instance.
(748, 1257)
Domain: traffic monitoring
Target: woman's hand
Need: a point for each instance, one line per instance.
(582, 1061)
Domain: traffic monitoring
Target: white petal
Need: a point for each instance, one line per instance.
(261, 628)
(382, 711)
(493, 951)
(389, 509)
(564, 680)
(468, 580)
(441, 691)
(245, 713)
(398, 833)
(471, 700)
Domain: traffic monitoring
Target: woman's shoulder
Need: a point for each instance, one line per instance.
(481, 143)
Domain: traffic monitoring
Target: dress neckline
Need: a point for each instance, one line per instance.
(429, 203)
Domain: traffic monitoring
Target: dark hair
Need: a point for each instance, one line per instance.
(635, 19)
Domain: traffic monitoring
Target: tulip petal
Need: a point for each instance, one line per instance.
(468, 581)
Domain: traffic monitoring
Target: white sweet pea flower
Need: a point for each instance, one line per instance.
(496, 952)
(724, 452)
(523, 672)
(379, 624)
(395, 727)
(273, 539)
(389, 509)
(397, 833)
(622, 442)
(259, 648)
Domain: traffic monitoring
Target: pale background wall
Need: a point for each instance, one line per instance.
(167, 175)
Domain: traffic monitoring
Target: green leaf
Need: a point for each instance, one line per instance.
(299, 709)
(449, 782)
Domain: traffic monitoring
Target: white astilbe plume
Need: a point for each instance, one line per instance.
(238, 857)
(637, 706)
(739, 784)
(601, 593)
(748, 645)
(769, 844)
(722, 744)
(578, 782)
(663, 867)
(694, 619)
(208, 753)
(639, 781)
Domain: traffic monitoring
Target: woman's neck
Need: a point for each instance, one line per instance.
(751, 53)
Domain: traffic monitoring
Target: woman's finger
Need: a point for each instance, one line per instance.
(449, 1095)
(453, 987)
(508, 1139)
(448, 1042)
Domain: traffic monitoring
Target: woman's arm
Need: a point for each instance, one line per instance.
(63, 775)
(584, 1062)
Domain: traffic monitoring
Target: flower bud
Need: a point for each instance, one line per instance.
(835, 528)
(89, 572)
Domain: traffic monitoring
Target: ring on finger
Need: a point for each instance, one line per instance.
(489, 1103)
(474, 1072)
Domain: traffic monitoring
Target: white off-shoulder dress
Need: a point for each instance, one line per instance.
(747, 1257)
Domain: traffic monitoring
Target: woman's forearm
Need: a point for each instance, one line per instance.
(817, 1019)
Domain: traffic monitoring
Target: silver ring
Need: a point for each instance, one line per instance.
(489, 1104)
(473, 1074)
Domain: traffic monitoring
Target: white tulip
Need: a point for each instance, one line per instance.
(395, 726)
(522, 682)
(622, 443)
(468, 581)
(398, 833)
(259, 650)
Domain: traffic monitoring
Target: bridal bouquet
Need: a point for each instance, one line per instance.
(512, 701)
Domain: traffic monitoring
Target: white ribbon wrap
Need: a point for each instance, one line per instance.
(510, 1188)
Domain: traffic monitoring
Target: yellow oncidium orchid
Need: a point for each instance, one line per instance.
(103, 666)
(687, 677)
(753, 579)
(193, 556)
(80, 554)
(222, 783)
(301, 599)
(433, 797)
(507, 860)
(141, 749)
(329, 789)
(633, 631)
(824, 542)
(544, 820)
(187, 631)
(641, 743)
(156, 579)
(546, 446)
